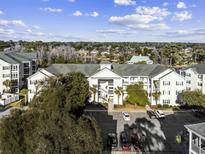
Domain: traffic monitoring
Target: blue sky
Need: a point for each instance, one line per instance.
(103, 20)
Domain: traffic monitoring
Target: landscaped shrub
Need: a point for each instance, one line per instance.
(159, 106)
(165, 106)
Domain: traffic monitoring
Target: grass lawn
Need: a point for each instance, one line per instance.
(128, 107)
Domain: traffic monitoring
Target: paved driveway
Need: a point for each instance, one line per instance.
(160, 134)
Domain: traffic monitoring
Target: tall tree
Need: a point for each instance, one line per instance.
(156, 96)
(8, 85)
(54, 122)
(119, 91)
(93, 89)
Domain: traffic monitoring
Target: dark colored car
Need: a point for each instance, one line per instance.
(151, 114)
(135, 142)
(125, 141)
(112, 141)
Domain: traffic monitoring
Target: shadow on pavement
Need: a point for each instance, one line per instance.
(105, 122)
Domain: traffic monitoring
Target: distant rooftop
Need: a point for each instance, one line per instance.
(198, 128)
(136, 59)
(199, 68)
(17, 57)
(105, 62)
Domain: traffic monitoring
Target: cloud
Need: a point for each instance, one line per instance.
(77, 13)
(53, 10)
(36, 27)
(143, 18)
(1, 12)
(182, 16)
(6, 31)
(155, 11)
(124, 2)
(19, 23)
(181, 5)
(186, 33)
(71, 1)
(114, 31)
(165, 4)
(93, 14)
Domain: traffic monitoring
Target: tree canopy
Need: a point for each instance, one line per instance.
(194, 98)
(137, 94)
(54, 122)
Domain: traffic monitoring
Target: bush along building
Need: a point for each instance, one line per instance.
(15, 68)
(105, 78)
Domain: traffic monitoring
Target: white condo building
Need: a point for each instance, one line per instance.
(16, 67)
(195, 77)
(108, 76)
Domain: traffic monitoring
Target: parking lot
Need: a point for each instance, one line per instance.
(160, 134)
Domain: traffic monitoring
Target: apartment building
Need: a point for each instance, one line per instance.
(195, 77)
(16, 67)
(107, 77)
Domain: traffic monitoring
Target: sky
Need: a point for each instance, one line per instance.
(103, 20)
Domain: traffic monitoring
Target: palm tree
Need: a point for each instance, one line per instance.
(7, 84)
(119, 91)
(156, 95)
(93, 89)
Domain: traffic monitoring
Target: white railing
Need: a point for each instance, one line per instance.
(8, 98)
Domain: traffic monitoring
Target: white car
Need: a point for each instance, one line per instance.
(160, 114)
(126, 116)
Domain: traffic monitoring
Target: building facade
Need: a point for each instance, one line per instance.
(107, 77)
(16, 67)
(195, 77)
(196, 138)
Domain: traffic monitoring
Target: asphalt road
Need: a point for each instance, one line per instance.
(160, 134)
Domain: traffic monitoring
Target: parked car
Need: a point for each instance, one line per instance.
(151, 114)
(112, 141)
(126, 116)
(160, 114)
(135, 142)
(125, 141)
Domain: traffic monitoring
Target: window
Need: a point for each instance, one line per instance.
(6, 75)
(188, 74)
(26, 64)
(110, 82)
(200, 76)
(199, 84)
(166, 92)
(166, 83)
(33, 82)
(132, 79)
(110, 92)
(166, 101)
(6, 67)
(179, 83)
(178, 92)
(188, 82)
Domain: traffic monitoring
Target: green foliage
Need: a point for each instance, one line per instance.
(194, 98)
(93, 89)
(53, 123)
(156, 95)
(137, 94)
(141, 62)
(119, 91)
